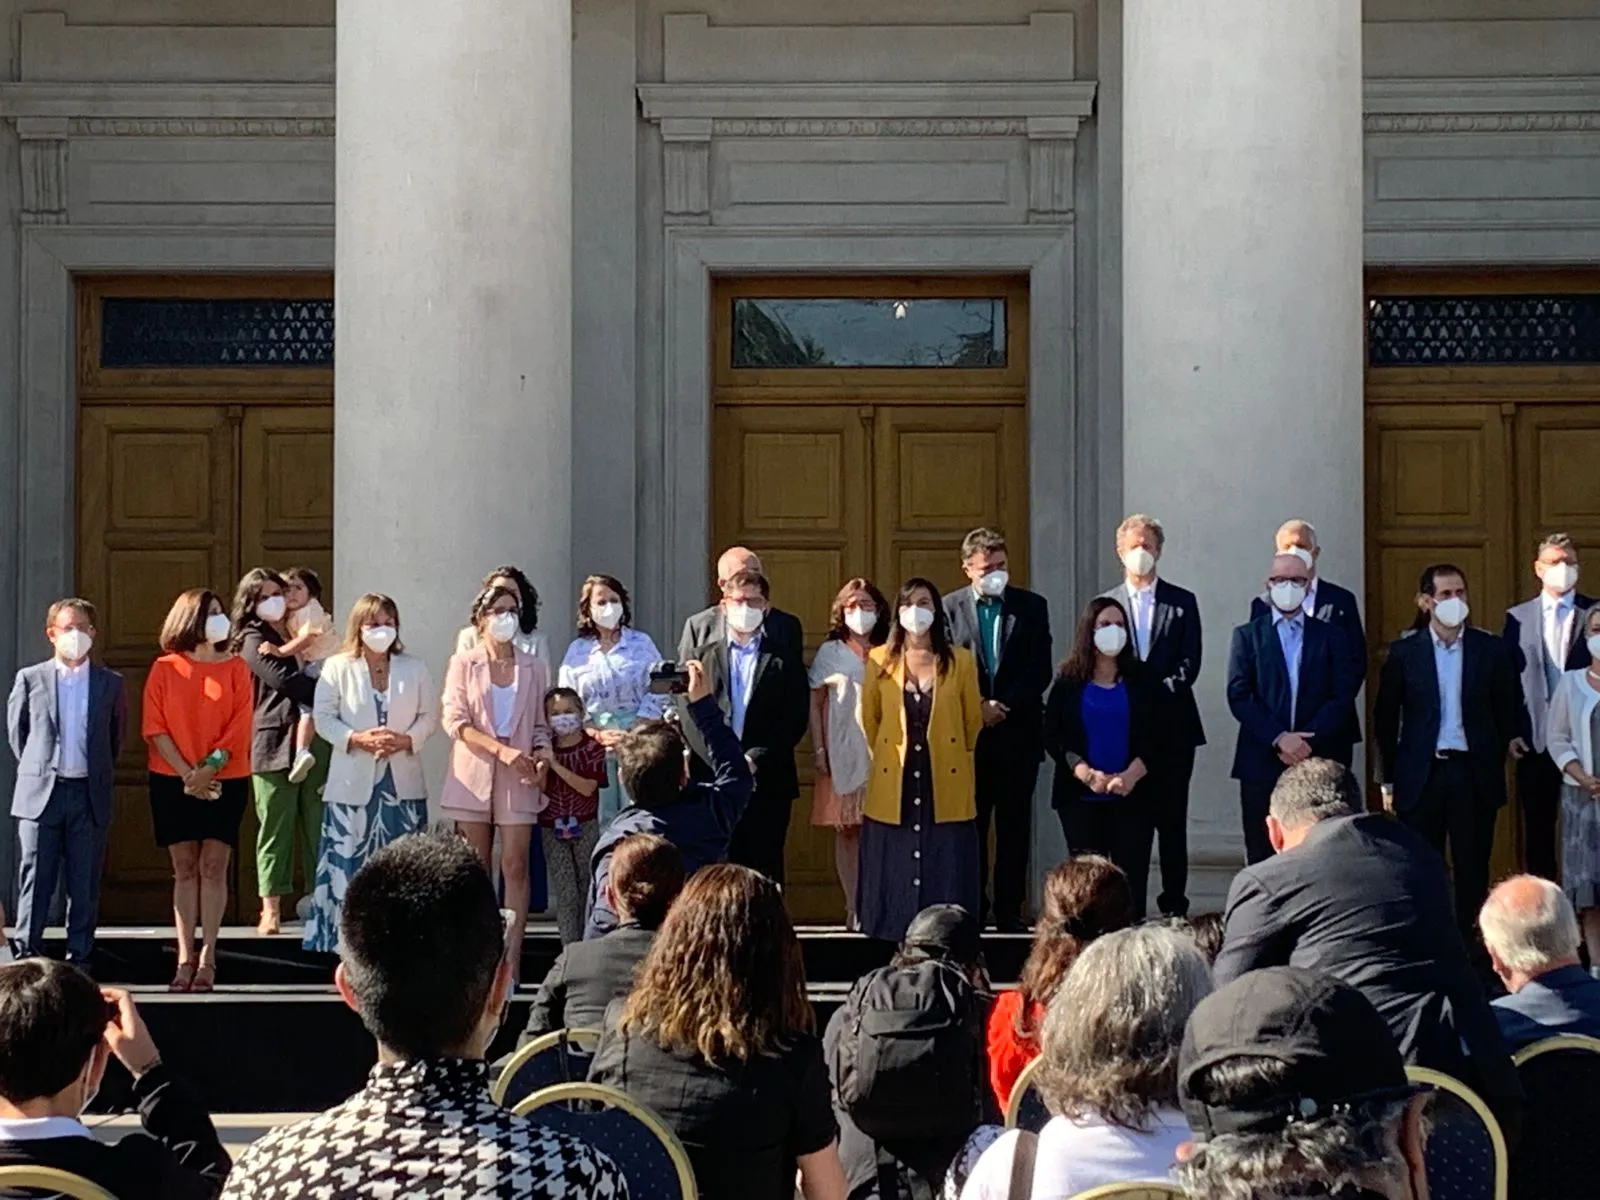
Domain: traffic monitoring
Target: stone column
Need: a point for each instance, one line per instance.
(1242, 318)
(453, 410)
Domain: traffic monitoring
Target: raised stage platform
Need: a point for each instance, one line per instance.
(275, 1037)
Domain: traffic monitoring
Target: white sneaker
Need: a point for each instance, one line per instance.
(303, 762)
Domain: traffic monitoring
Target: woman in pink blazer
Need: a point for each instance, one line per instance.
(493, 710)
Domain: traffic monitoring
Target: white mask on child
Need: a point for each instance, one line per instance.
(566, 724)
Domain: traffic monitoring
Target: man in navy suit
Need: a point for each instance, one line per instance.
(1545, 635)
(1447, 712)
(65, 719)
(1291, 683)
(1532, 936)
(1165, 630)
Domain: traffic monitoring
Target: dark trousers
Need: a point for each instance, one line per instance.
(1450, 812)
(1539, 790)
(63, 841)
(1168, 784)
(1006, 775)
(759, 837)
(1121, 828)
(1255, 800)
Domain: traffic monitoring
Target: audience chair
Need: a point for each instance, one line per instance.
(1026, 1109)
(1561, 1078)
(48, 1181)
(1466, 1152)
(561, 1056)
(651, 1156)
(1131, 1191)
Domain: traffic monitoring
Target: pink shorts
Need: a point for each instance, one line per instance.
(500, 813)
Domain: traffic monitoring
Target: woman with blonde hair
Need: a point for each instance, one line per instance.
(198, 705)
(717, 1038)
(375, 706)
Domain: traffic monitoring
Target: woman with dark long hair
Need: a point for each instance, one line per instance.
(717, 1038)
(1084, 897)
(528, 640)
(921, 712)
(1099, 726)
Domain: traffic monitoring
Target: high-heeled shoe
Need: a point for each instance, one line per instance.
(183, 980)
(205, 978)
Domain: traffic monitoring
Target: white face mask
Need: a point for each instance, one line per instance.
(916, 620)
(272, 608)
(1561, 577)
(378, 638)
(566, 724)
(1594, 647)
(993, 583)
(1302, 554)
(861, 621)
(1110, 639)
(73, 645)
(503, 626)
(1288, 597)
(607, 614)
(745, 618)
(1451, 613)
(218, 627)
(1139, 561)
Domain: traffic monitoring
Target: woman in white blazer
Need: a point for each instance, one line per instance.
(494, 713)
(1574, 740)
(375, 706)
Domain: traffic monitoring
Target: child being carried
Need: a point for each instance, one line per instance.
(311, 639)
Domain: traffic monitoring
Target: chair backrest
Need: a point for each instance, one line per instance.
(562, 1056)
(1026, 1108)
(1561, 1081)
(48, 1181)
(1131, 1191)
(639, 1142)
(1466, 1155)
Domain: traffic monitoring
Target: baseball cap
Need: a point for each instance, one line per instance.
(945, 931)
(1339, 1052)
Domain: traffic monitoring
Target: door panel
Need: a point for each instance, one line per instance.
(156, 516)
(1557, 485)
(286, 493)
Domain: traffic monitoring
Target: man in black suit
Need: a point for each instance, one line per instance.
(1008, 631)
(1165, 628)
(645, 878)
(57, 1032)
(1290, 687)
(759, 680)
(707, 625)
(1362, 898)
(1448, 711)
(1545, 635)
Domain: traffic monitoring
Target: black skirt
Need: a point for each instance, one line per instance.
(177, 817)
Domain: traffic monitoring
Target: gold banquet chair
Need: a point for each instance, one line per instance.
(1466, 1156)
(561, 1056)
(27, 1180)
(1132, 1191)
(1561, 1081)
(1025, 1109)
(650, 1155)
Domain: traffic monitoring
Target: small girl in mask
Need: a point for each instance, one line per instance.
(575, 767)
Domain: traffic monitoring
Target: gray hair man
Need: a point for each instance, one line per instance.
(1362, 898)
(1293, 1087)
(1532, 936)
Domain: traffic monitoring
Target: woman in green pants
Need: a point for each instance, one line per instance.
(290, 814)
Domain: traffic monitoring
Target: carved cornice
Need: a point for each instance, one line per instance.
(173, 109)
(909, 107)
(200, 127)
(1559, 104)
(872, 127)
(1508, 122)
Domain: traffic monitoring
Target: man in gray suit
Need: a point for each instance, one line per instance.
(65, 719)
(1546, 636)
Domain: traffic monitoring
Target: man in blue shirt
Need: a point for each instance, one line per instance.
(1532, 936)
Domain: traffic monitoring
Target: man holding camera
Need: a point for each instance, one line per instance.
(698, 817)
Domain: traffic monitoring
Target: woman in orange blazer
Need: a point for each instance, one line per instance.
(493, 710)
(921, 712)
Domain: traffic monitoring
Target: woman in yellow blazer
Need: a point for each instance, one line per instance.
(921, 712)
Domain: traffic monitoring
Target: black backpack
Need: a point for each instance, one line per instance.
(909, 1063)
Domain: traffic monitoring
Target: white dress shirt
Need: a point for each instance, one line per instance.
(1292, 638)
(1558, 613)
(1143, 614)
(614, 681)
(1447, 659)
(72, 720)
(742, 661)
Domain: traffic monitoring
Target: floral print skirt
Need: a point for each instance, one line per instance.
(351, 834)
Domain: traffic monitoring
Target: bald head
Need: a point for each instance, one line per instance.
(1529, 928)
(735, 559)
(1299, 538)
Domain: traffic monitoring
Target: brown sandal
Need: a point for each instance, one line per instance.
(183, 981)
(205, 978)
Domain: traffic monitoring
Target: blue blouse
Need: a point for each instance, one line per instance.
(1106, 719)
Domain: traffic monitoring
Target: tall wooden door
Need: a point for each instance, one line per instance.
(845, 442)
(1483, 435)
(205, 432)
